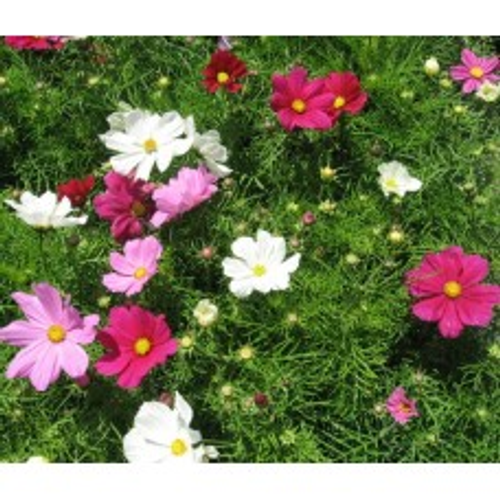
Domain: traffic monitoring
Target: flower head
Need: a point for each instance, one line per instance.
(431, 67)
(135, 267)
(44, 212)
(76, 190)
(401, 408)
(127, 204)
(36, 42)
(448, 287)
(213, 152)
(49, 338)
(206, 312)
(474, 71)
(347, 94)
(163, 435)
(259, 265)
(223, 71)
(136, 341)
(146, 139)
(187, 190)
(300, 103)
(395, 178)
(488, 92)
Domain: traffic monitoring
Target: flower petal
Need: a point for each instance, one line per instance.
(74, 360)
(450, 325)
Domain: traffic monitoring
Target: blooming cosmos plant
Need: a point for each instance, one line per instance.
(401, 408)
(44, 212)
(76, 190)
(259, 265)
(136, 341)
(50, 338)
(36, 42)
(187, 190)
(147, 139)
(395, 179)
(135, 267)
(163, 435)
(475, 71)
(347, 94)
(300, 103)
(223, 72)
(448, 287)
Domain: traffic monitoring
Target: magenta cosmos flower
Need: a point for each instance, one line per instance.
(136, 341)
(135, 267)
(126, 204)
(300, 103)
(50, 338)
(448, 286)
(475, 71)
(187, 190)
(401, 408)
(36, 42)
(348, 96)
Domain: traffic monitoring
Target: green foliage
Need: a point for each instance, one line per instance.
(328, 351)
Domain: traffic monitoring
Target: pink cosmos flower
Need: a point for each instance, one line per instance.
(348, 96)
(300, 103)
(475, 71)
(36, 42)
(50, 338)
(135, 268)
(448, 284)
(401, 408)
(126, 204)
(187, 190)
(136, 341)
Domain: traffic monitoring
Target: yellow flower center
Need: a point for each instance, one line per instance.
(339, 102)
(138, 209)
(142, 346)
(259, 270)
(150, 146)
(476, 72)
(178, 447)
(140, 272)
(391, 183)
(452, 289)
(222, 77)
(404, 407)
(56, 333)
(299, 106)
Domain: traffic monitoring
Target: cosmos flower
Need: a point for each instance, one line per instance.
(395, 179)
(474, 71)
(36, 42)
(224, 72)
(76, 190)
(401, 408)
(206, 312)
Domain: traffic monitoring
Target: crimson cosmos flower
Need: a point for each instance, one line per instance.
(76, 190)
(223, 71)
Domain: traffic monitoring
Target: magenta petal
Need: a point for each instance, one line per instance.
(459, 73)
(450, 325)
(22, 333)
(296, 81)
(430, 309)
(474, 313)
(74, 360)
(132, 376)
(489, 64)
(356, 105)
(112, 364)
(470, 59)
(489, 294)
(316, 119)
(474, 269)
(470, 86)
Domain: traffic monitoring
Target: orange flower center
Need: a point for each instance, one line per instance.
(142, 346)
(299, 106)
(476, 72)
(404, 407)
(339, 102)
(138, 209)
(222, 77)
(452, 289)
(150, 146)
(56, 333)
(140, 272)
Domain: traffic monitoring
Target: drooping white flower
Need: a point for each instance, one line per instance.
(206, 312)
(45, 211)
(488, 92)
(259, 265)
(431, 66)
(162, 435)
(145, 139)
(208, 145)
(395, 178)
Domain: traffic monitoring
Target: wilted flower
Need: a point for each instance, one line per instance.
(395, 178)
(206, 312)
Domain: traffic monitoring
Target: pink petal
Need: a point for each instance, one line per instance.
(474, 269)
(50, 300)
(488, 65)
(25, 359)
(47, 367)
(22, 333)
(471, 86)
(121, 264)
(450, 325)
(470, 59)
(87, 334)
(31, 307)
(117, 283)
(430, 309)
(74, 360)
(459, 73)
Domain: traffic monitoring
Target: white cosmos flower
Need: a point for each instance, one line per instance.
(144, 139)
(208, 145)
(206, 312)
(488, 92)
(44, 212)
(395, 178)
(259, 265)
(162, 435)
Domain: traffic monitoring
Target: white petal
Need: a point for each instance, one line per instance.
(139, 450)
(242, 287)
(245, 248)
(156, 422)
(126, 162)
(119, 141)
(236, 268)
(290, 265)
(182, 406)
(164, 157)
(413, 184)
(144, 168)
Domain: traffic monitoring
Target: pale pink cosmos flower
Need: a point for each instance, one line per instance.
(475, 71)
(50, 338)
(187, 190)
(401, 408)
(133, 269)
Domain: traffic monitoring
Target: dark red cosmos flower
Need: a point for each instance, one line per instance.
(36, 42)
(76, 190)
(223, 71)
(348, 96)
